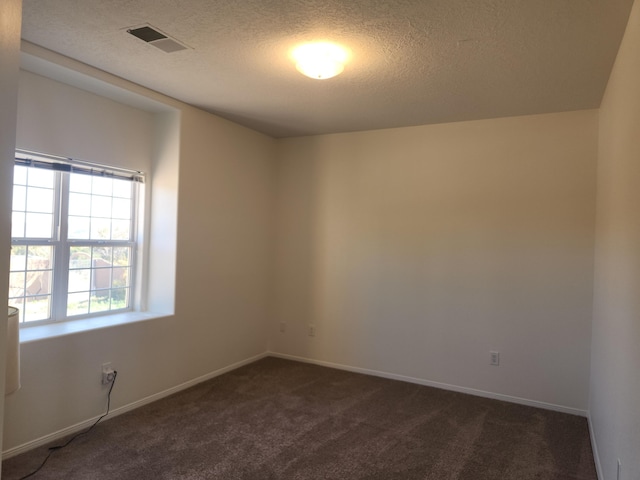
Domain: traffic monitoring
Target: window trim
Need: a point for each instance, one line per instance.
(44, 331)
(62, 245)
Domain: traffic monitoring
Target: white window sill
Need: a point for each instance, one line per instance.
(42, 332)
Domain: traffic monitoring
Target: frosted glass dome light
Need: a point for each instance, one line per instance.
(320, 60)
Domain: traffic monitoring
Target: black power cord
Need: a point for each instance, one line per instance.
(58, 447)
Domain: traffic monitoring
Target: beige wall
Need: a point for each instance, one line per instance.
(10, 21)
(224, 241)
(615, 362)
(222, 196)
(61, 120)
(416, 251)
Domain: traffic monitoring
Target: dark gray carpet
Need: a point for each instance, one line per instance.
(277, 419)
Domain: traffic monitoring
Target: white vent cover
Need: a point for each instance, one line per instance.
(155, 37)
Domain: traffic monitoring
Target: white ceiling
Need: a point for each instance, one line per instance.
(413, 61)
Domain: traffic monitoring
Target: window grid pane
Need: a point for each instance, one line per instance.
(99, 208)
(99, 279)
(30, 281)
(33, 203)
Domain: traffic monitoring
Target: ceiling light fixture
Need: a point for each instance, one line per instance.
(320, 60)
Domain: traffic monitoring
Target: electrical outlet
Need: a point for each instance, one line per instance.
(312, 330)
(283, 326)
(108, 375)
(495, 358)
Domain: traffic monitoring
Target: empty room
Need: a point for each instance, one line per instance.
(320, 239)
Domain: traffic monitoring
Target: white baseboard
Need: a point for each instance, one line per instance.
(165, 393)
(12, 452)
(594, 448)
(444, 386)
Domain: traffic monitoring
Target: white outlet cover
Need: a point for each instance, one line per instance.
(495, 358)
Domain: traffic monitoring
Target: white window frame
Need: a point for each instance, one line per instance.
(62, 245)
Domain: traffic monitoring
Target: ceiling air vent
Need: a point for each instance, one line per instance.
(155, 37)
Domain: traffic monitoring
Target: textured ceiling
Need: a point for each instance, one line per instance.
(413, 61)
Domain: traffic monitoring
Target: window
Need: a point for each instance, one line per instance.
(73, 239)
